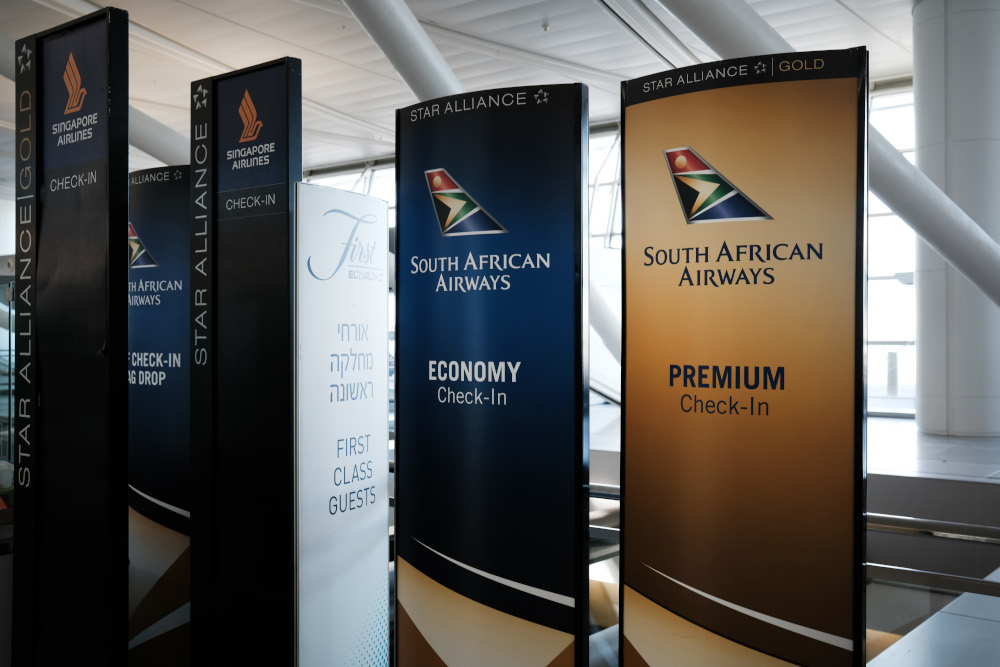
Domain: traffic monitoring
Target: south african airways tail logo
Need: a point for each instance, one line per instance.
(457, 212)
(138, 255)
(705, 194)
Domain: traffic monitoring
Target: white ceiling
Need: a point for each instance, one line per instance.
(351, 91)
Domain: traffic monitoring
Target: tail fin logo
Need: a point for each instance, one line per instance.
(248, 114)
(705, 194)
(457, 212)
(73, 81)
(138, 255)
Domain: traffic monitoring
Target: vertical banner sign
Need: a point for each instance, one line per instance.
(342, 428)
(159, 456)
(246, 154)
(745, 184)
(70, 579)
(491, 513)
(158, 326)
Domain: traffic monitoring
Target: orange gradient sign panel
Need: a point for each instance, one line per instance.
(742, 436)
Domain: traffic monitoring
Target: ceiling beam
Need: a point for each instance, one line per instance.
(608, 81)
(733, 29)
(397, 33)
(156, 139)
(644, 24)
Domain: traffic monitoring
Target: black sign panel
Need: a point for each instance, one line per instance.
(70, 481)
(246, 154)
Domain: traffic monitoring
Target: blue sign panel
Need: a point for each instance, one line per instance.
(159, 424)
(159, 328)
(491, 382)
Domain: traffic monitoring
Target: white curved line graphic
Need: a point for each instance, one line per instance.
(818, 635)
(524, 588)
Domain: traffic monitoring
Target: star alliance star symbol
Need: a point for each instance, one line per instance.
(541, 97)
(24, 60)
(177, 175)
(203, 94)
(760, 67)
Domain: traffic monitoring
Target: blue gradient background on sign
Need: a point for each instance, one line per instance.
(492, 486)
(159, 416)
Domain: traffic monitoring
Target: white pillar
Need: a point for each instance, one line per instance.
(957, 107)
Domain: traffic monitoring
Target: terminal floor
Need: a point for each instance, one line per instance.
(896, 447)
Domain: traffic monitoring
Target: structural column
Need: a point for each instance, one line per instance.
(957, 106)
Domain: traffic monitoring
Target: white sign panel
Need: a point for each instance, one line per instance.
(342, 513)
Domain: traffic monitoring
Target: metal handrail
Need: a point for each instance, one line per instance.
(605, 392)
(932, 580)
(606, 491)
(951, 530)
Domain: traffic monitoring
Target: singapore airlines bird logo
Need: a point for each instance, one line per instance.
(71, 77)
(457, 212)
(705, 194)
(138, 255)
(248, 114)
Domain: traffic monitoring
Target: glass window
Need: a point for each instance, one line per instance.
(892, 313)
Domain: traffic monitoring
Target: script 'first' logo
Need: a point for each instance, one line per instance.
(705, 194)
(355, 251)
(138, 255)
(457, 212)
(73, 81)
(248, 114)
